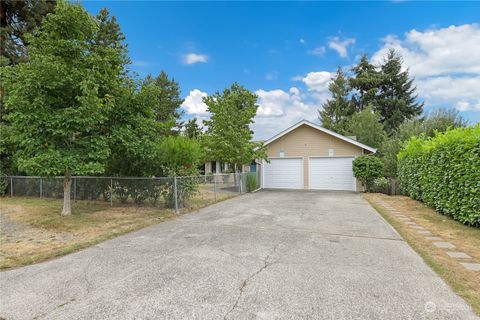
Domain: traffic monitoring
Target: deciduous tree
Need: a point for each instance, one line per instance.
(229, 137)
(56, 111)
(365, 125)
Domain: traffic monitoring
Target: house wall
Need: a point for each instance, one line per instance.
(306, 141)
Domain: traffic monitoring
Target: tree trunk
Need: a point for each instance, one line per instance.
(67, 184)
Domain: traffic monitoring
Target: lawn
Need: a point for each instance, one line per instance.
(465, 283)
(32, 230)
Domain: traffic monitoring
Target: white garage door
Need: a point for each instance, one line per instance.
(283, 173)
(331, 174)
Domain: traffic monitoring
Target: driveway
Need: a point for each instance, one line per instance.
(267, 255)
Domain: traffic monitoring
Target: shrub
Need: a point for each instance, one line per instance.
(379, 184)
(366, 169)
(444, 173)
(251, 181)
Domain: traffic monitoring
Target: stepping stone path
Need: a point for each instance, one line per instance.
(471, 266)
(458, 255)
(437, 241)
(424, 232)
(444, 244)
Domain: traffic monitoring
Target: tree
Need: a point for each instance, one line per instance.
(192, 129)
(167, 99)
(366, 169)
(397, 100)
(17, 19)
(438, 120)
(365, 83)
(365, 125)
(229, 137)
(338, 108)
(56, 111)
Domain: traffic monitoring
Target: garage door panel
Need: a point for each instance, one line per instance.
(331, 174)
(284, 173)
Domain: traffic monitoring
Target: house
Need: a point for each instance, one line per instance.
(307, 156)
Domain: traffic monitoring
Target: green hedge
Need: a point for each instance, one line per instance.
(444, 173)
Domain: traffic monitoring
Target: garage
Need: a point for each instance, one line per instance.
(283, 173)
(331, 173)
(308, 156)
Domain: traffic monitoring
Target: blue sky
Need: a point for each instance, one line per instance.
(286, 51)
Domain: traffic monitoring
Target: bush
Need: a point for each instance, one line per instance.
(366, 169)
(251, 181)
(379, 184)
(444, 173)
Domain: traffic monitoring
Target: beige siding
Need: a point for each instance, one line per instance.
(306, 141)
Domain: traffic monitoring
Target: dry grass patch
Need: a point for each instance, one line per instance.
(465, 283)
(32, 230)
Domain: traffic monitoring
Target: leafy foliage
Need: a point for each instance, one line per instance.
(365, 125)
(439, 120)
(54, 105)
(229, 137)
(444, 172)
(367, 168)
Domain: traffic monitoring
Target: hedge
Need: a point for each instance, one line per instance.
(444, 173)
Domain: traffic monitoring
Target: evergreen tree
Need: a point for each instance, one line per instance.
(192, 129)
(17, 19)
(397, 100)
(338, 108)
(168, 101)
(365, 83)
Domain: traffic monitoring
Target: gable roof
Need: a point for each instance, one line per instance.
(329, 132)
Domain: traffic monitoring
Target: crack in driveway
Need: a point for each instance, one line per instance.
(245, 282)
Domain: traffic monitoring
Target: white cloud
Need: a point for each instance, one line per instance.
(468, 106)
(437, 51)
(279, 109)
(444, 62)
(301, 40)
(319, 51)
(317, 81)
(192, 58)
(194, 104)
(340, 46)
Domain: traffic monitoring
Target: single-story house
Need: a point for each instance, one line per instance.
(307, 156)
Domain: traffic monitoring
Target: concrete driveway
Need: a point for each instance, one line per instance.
(268, 255)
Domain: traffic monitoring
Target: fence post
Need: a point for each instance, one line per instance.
(240, 182)
(214, 189)
(111, 192)
(175, 193)
(11, 186)
(41, 187)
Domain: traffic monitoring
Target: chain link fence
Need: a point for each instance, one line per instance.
(169, 192)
